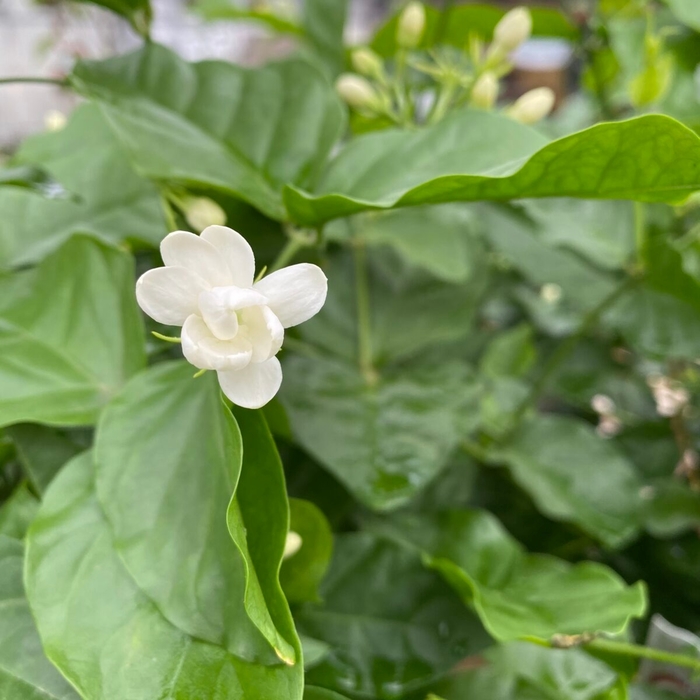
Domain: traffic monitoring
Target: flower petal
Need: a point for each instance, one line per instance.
(218, 308)
(295, 293)
(202, 349)
(254, 385)
(185, 249)
(169, 294)
(263, 330)
(235, 252)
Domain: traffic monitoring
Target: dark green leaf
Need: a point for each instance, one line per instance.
(392, 626)
(71, 334)
(17, 512)
(25, 672)
(311, 693)
(112, 202)
(481, 156)
(85, 602)
(302, 573)
(214, 124)
(673, 508)
(510, 354)
(173, 480)
(385, 440)
(517, 594)
(576, 476)
(34, 179)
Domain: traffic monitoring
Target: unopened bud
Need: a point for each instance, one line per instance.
(356, 91)
(485, 91)
(513, 29)
(411, 26)
(54, 120)
(366, 62)
(550, 293)
(603, 404)
(201, 212)
(292, 545)
(533, 105)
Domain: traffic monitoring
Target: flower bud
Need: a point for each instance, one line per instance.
(485, 91)
(292, 545)
(356, 91)
(55, 120)
(201, 212)
(513, 29)
(533, 106)
(366, 62)
(411, 26)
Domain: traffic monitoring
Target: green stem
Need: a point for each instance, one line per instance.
(442, 103)
(610, 646)
(294, 244)
(39, 81)
(364, 320)
(168, 212)
(567, 347)
(640, 233)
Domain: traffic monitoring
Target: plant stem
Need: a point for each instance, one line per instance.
(442, 102)
(60, 82)
(293, 245)
(567, 347)
(168, 212)
(364, 321)
(640, 233)
(611, 646)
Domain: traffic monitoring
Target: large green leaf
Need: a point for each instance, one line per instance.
(575, 475)
(34, 179)
(215, 124)
(103, 632)
(71, 334)
(111, 201)
(25, 672)
(482, 156)
(167, 487)
(516, 594)
(384, 440)
(392, 626)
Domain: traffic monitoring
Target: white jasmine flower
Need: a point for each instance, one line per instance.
(229, 323)
(533, 106)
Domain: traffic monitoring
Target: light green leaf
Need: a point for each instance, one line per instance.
(214, 124)
(517, 594)
(302, 573)
(111, 201)
(25, 672)
(576, 476)
(383, 441)
(42, 451)
(71, 334)
(85, 601)
(32, 178)
(392, 626)
(687, 11)
(454, 28)
(482, 156)
(230, 9)
(17, 512)
(187, 460)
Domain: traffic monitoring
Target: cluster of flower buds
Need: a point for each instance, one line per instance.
(609, 424)
(670, 395)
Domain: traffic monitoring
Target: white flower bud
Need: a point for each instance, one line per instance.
(514, 28)
(603, 404)
(55, 120)
(485, 91)
(533, 106)
(201, 212)
(550, 293)
(411, 26)
(366, 62)
(292, 544)
(356, 91)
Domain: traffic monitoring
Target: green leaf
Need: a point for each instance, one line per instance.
(32, 178)
(137, 12)
(392, 626)
(517, 594)
(187, 460)
(25, 672)
(510, 354)
(576, 476)
(673, 508)
(473, 156)
(214, 124)
(302, 573)
(384, 441)
(71, 334)
(311, 693)
(42, 451)
(454, 26)
(85, 602)
(17, 512)
(226, 9)
(111, 201)
(520, 671)
(687, 11)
